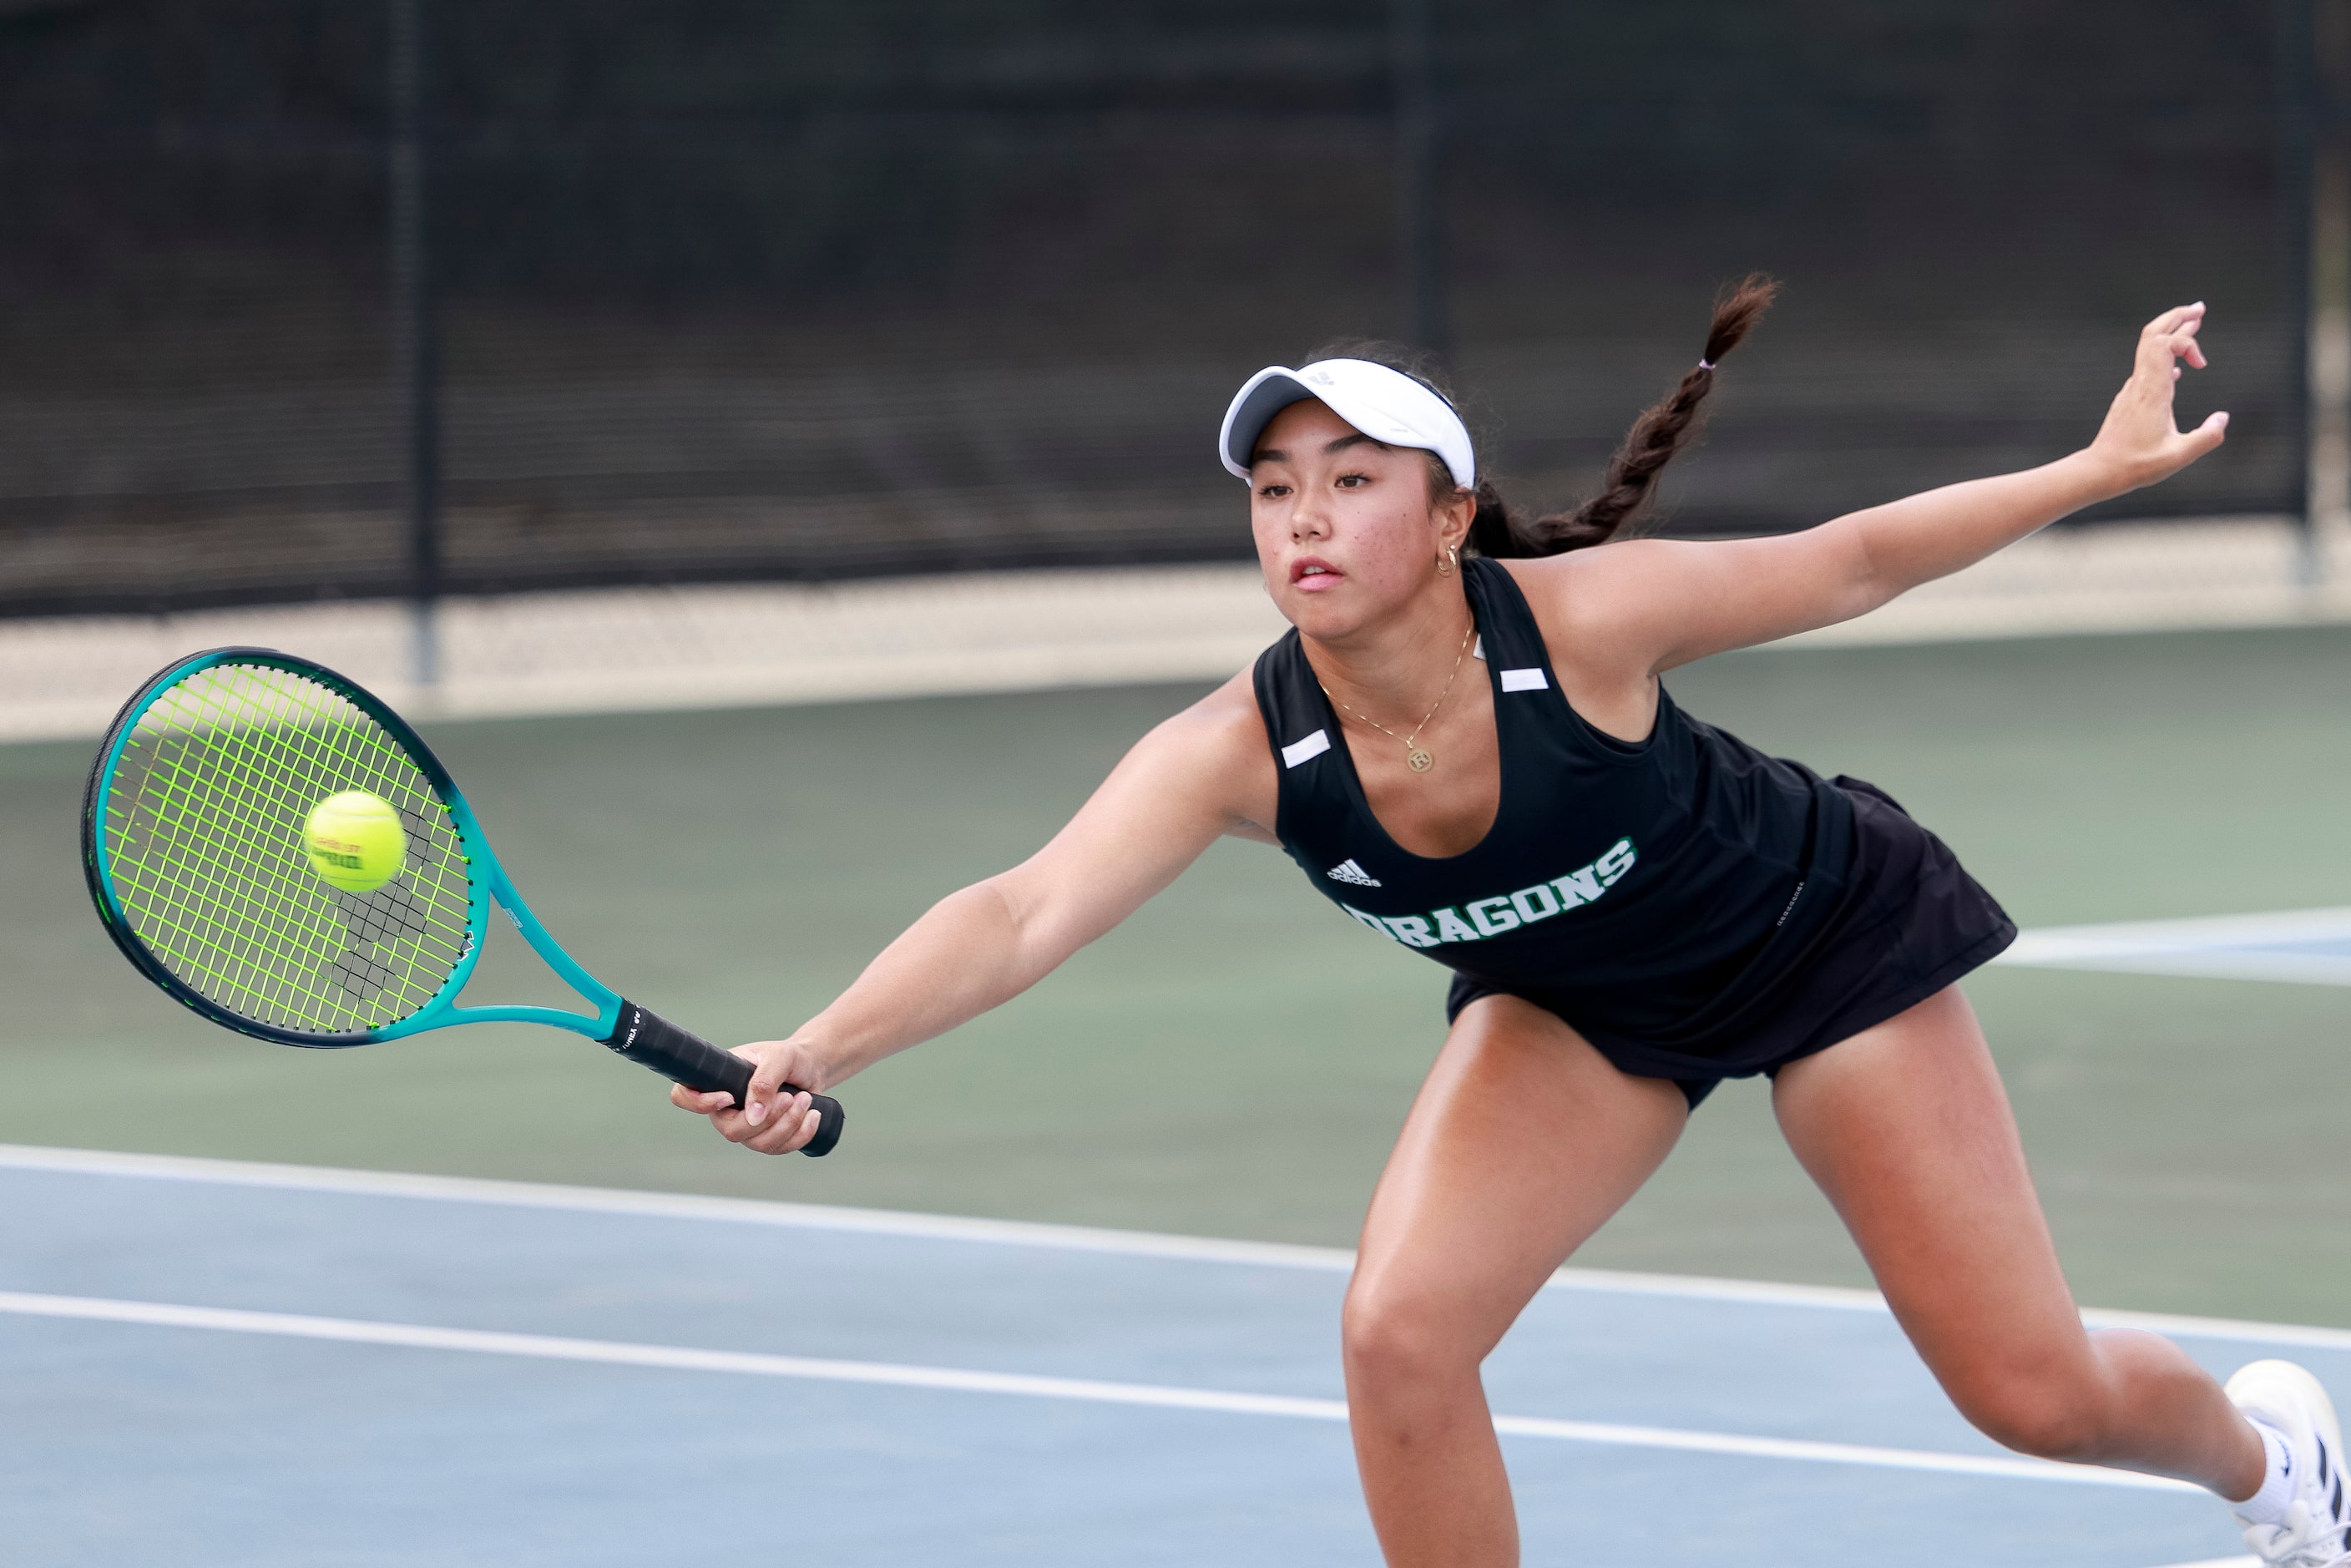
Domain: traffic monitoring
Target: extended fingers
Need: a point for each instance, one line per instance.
(701, 1101)
(2159, 358)
(2171, 320)
(2169, 339)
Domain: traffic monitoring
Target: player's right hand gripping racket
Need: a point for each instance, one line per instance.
(193, 844)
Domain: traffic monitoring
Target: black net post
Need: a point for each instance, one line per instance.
(416, 347)
(2330, 266)
(1420, 237)
(2297, 150)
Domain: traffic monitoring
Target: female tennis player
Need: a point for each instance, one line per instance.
(1464, 743)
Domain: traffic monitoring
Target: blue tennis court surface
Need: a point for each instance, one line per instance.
(267, 1365)
(2312, 947)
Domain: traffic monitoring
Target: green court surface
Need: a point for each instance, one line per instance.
(1235, 1060)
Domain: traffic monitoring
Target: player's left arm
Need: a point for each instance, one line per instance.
(1663, 602)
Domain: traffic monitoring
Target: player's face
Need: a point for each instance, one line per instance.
(1345, 528)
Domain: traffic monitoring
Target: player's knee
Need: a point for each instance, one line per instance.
(2048, 1418)
(1392, 1336)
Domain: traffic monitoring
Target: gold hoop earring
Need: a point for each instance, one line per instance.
(1450, 560)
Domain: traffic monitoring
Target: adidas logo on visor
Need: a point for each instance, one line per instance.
(1349, 871)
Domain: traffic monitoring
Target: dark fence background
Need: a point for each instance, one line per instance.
(824, 288)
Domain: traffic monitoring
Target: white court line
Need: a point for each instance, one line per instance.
(1020, 1233)
(2219, 947)
(2197, 931)
(681, 1358)
(669, 1206)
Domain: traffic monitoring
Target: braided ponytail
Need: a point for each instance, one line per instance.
(1663, 429)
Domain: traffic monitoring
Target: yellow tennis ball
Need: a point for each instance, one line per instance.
(356, 841)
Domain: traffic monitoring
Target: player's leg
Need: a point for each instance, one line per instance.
(1523, 1141)
(1906, 1128)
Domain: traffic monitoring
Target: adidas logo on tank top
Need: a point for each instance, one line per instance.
(1348, 871)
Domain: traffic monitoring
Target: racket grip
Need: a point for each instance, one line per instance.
(684, 1057)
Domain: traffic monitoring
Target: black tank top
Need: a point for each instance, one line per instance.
(1648, 891)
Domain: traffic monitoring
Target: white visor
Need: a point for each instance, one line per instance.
(1386, 405)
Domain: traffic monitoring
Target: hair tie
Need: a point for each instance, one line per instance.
(1706, 364)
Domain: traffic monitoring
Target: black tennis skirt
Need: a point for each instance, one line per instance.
(1910, 922)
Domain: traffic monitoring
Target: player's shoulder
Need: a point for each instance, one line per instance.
(1214, 754)
(1583, 600)
(1226, 721)
(1577, 575)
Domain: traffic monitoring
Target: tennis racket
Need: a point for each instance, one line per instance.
(193, 843)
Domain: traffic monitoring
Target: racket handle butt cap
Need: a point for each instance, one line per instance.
(684, 1057)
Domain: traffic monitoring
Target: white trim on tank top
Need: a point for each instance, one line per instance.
(1306, 750)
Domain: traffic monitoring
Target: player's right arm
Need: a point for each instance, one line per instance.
(1204, 773)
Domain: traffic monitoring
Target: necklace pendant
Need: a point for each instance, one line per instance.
(1419, 761)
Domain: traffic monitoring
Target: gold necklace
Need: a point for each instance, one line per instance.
(1415, 757)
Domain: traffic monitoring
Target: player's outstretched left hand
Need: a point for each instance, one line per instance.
(774, 1123)
(2141, 440)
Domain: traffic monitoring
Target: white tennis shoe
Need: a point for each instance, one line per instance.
(2317, 1530)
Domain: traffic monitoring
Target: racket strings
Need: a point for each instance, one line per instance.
(280, 960)
(205, 844)
(204, 877)
(202, 889)
(372, 918)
